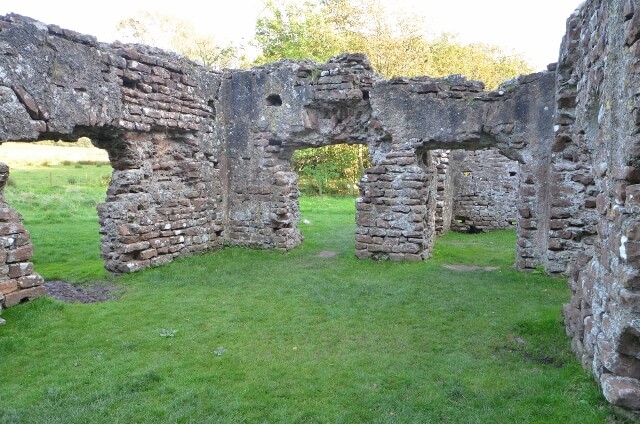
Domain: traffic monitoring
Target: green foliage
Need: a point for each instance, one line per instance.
(330, 170)
(310, 340)
(296, 32)
(478, 61)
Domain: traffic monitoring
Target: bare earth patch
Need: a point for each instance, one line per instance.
(470, 268)
(326, 254)
(68, 292)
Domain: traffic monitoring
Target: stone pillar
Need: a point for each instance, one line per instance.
(395, 210)
(533, 204)
(523, 125)
(262, 205)
(444, 190)
(18, 282)
(164, 200)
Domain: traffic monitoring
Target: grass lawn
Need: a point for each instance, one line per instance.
(256, 336)
(58, 204)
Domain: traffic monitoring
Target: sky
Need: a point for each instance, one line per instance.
(531, 28)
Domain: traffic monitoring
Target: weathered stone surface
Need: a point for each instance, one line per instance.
(13, 298)
(597, 174)
(17, 279)
(485, 185)
(621, 391)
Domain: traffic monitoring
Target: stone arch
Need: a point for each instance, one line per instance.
(152, 111)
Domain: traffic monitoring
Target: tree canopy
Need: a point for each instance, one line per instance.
(170, 33)
(396, 43)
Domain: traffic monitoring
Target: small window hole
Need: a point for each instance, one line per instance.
(274, 100)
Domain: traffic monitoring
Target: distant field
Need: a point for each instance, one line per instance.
(29, 155)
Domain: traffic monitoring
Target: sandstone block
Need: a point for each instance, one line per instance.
(632, 192)
(29, 281)
(147, 254)
(621, 391)
(363, 254)
(632, 29)
(9, 286)
(631, 253)
(21, 254)
(135, 247)
(19, 296)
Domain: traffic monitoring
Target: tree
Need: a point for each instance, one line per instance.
(295, 32)
(330, 169)
(170, 33)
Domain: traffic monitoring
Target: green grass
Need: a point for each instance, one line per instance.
(58, 205)
(255, 336)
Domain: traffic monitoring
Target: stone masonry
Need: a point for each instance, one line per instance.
(202, 160)
(595, 179)
(18, 282)
(444, 190)
(485, 190)
(398, 202)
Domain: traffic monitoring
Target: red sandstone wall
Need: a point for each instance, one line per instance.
(18, 282)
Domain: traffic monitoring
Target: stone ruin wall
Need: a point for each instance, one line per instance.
(596, 185)
(153, 112)
(201, 159)
(475, 188)
(18, 282)
(485, 185)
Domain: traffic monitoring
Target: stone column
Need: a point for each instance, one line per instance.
(262, 205)
(164, 200)
(395, 210)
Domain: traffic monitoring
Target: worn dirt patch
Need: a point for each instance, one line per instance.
(326, 254)
(470, 268)
(67, 292)
(538, 358)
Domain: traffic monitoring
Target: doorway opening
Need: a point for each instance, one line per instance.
(330, 170)
(56, 186)
(329, 179)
